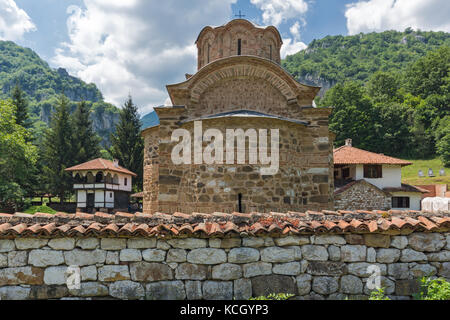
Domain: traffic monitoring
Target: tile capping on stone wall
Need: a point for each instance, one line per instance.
(313, 255)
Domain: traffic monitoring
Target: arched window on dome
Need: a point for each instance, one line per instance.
(239, 47)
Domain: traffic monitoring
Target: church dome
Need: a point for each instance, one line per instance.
(238, 37)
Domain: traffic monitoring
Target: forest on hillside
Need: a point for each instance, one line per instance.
(42, 85)
(390, 91)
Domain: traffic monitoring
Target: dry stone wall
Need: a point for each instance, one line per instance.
(328, 266)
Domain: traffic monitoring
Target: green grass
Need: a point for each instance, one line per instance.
(410, 174)
(44, 209)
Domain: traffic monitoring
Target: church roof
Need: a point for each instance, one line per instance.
(245, 114)
(100, 164)
(351, 155)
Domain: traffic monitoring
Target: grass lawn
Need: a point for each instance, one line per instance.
(44, 209)
(410, 174)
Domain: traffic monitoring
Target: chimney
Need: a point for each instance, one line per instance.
(116, 163)
(348, 142)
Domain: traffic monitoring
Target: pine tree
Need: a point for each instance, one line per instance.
(18, 98)
(85, 140)
(127, 144)
(58, 150)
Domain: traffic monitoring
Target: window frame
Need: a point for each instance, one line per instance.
(372, 171)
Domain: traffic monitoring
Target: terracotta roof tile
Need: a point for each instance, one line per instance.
(100, 164)
(219, 224)
(352, 155)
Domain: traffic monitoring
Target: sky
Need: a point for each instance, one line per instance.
(138, 46)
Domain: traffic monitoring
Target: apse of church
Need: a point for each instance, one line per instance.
(239, 88)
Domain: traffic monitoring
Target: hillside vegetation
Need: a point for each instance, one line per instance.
(42, 85)
(390, 91)
(334, 59)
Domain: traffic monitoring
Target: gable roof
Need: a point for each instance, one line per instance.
(351, 155)
(100, 164)
(349, 185)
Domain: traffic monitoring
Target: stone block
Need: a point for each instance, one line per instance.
(328, 239)
(165, 290)
(323, 268)
(55, 275)
(351, 285)
(14, 293)
(253, 242)
(111, 273)
(93, 289)
(243, 255)
(7, 245)
(62, 243)
(364, 269)
(30, 243)
(154, 255)
(141, 243)
(88, 243)
(409, 255)
(46, 292)
(188, 243)
(429, 242)
(444, 270)
(176, 255)
(226, 271)
(130, 255)
(88, 273)
(314, 253)
(334, 253)
(79, 257)
(371, 255)
(291, 241)
(303, 283)
(126, 290)
(113, 243)
(17, 258)
(207, 256)
(218, 290)
(257, 269)
(277, 254)
(325, 285)
(353, 253)
(388, 255)
(189, 271)
(44, 258)
(398, 270)
(193, 290)
(399, 242)
(354, 239)
(288, 269)
(150, 271)
(377, 240)
(242, 289)
(265, 285)
(21, 275)
(441, 256)
(407, 287)
(112, 257)
(421, 270)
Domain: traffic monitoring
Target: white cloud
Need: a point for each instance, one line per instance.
(291, 46)
(380, 15)
(136, 46)
(277, 11)
(14, 22)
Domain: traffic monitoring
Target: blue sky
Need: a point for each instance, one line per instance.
(139, 46)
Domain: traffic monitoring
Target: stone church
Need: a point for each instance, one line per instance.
(239, 84)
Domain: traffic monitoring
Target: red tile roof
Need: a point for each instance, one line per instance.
(406, 188)
(351, 155)
(100, 164)
(219, 224)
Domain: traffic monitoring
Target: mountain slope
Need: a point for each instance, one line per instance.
(42, 85)
(337, 58)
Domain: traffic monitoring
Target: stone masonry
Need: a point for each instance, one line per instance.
(327, 266)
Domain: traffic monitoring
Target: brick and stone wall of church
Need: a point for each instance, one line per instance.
(328, 266)
(304, 179)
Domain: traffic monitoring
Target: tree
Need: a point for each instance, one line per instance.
(383, 86)
(58, 151)
(85, 140)
(127, 144)
(443, 140)
(17, 158)
(18, 99)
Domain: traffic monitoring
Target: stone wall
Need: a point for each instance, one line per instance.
(361, 194)
(328, 266)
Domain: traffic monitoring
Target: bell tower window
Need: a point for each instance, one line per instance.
(239, 47)
(270, 52)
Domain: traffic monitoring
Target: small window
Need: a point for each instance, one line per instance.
(125, 181)
(400, 202)
(373, 171)
(239, 47)
(240, 202)
(270, 51)
(110, 194)
(209, 48)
